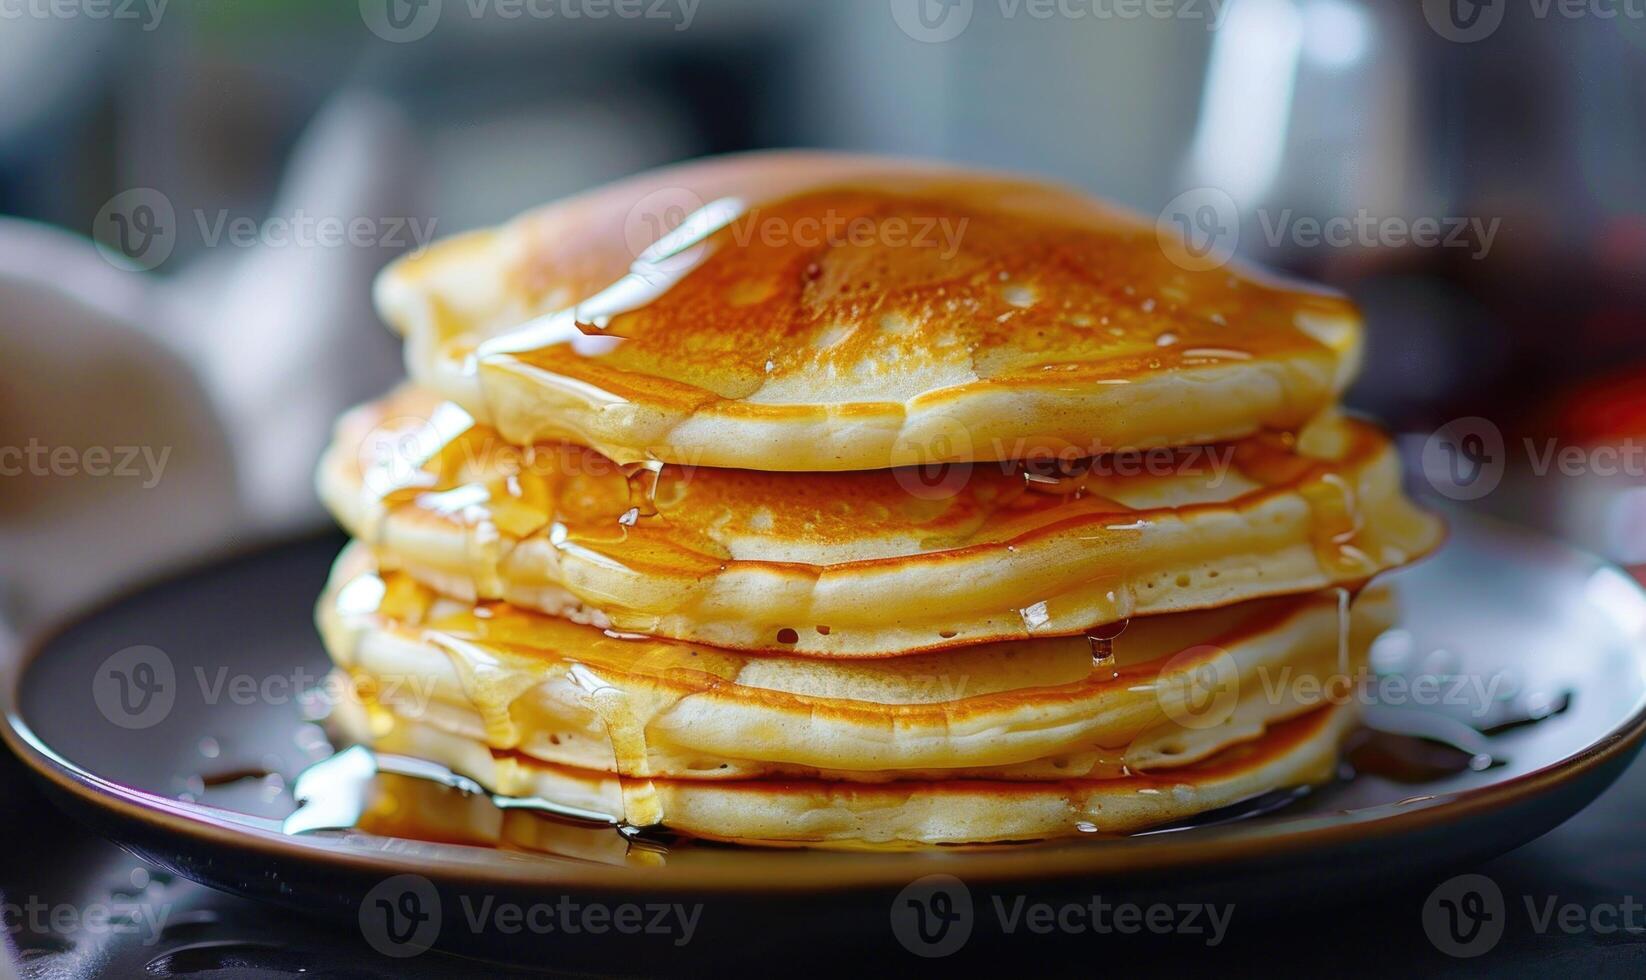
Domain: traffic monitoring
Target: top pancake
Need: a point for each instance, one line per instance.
(822, 312)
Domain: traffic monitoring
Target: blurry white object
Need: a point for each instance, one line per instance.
(112, 463)
(1247, 103)
(148, 422)
(282, 333)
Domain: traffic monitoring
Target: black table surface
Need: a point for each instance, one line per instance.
(1572, 906)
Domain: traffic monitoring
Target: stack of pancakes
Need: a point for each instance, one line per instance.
(803, 498)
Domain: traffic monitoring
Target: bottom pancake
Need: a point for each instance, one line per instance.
(1295, 752)
(1172, 691)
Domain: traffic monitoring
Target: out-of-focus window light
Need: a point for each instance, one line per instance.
(1336, 33)
(1247, 102)
(1616, 595)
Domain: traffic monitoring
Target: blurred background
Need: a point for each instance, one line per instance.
(1469, 171)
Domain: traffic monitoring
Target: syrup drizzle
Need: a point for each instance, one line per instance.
(1102, 640)
(657, 270)
(336, 793)
(1405, 745)
(647, 517)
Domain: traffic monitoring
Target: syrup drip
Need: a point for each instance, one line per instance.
(338, 793)
(1418, 746)
(646, 517)
(1102, 640)
(397, 796)
(626, 731)
(1344, 602)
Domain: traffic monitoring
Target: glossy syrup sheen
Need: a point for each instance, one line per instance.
(1026, 672)
(886, 288)
(694, 521)
(506, 659)
(810, 311)
(430, 809)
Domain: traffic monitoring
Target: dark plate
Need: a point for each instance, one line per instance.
(1517, 619)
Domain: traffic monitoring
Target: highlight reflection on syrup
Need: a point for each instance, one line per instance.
(501, 510)
(396, 796)
(656, 270)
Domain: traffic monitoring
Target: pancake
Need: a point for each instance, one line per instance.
(868, 564)
(1172, 691)
(820, 312)
(1293, 753)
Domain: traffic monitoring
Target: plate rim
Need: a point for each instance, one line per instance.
(1235, 843)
